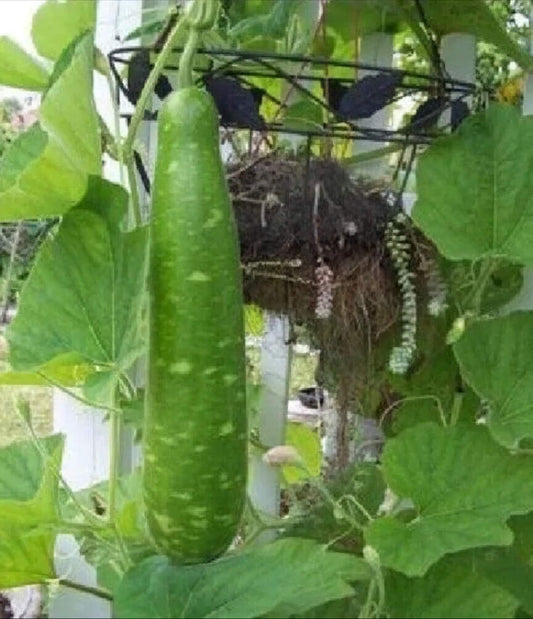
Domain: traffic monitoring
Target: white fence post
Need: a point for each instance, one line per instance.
(375, 49)
(264, 489)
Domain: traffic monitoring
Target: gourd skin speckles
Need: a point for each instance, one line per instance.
(195, 425)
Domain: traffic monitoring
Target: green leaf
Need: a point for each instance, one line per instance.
(496, 359)
(271, 25)
(475, 188)
(27, 534)
(85, 293)
(19, 69)
(128, 494)
(433, 381)
(505, 568)
(129, 521)
(254, 321)
(44, 172)
(64, 369)
(352, 19)
(307, 443)
(288, 576)
(451, 588)
(22, 467)
(303, 115)
(464, 487)
(253, 401)
(504, 283)
(362, 481)
(58, 22)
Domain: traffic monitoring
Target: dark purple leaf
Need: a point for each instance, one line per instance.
(460, 111)
(237, 105)
(138, 72)
(427, 114)
(334, 90)
(368, 95)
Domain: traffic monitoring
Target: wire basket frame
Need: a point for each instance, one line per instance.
(341, 102)
(303, 73)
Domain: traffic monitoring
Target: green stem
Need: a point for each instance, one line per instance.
(456, 407)
(97, 591)
(114, 464)
(474, 299)
(76, 396)
(9, 274)
(114, 473)
(149, 88)
(185, 75)
(366, 611)
(128, 386)
(374, 154)
(82, 527)
(134, 193)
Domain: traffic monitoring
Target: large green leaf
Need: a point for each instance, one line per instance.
(286, 577)
(464, 487)
(85, 293)
(505, 568)
(18, 69)
(27, 534)
(22, 468)
(58, 22)
(451, 588)
(44, 172)
(475, 188)
(496, 358)
(433, 383)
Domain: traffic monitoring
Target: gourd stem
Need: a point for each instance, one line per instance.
(201, 16)
(185, 76)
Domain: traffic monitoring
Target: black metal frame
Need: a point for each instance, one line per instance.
(242, 65)
(299, 70)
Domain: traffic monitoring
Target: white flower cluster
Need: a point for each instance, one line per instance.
(324, 282)
(399, 249)
(437, 289)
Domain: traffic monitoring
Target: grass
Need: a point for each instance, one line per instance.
(12, 428)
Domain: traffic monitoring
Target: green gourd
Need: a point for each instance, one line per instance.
(195, 436)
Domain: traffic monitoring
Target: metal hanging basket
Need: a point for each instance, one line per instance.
(327, 87)
(307, 96)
